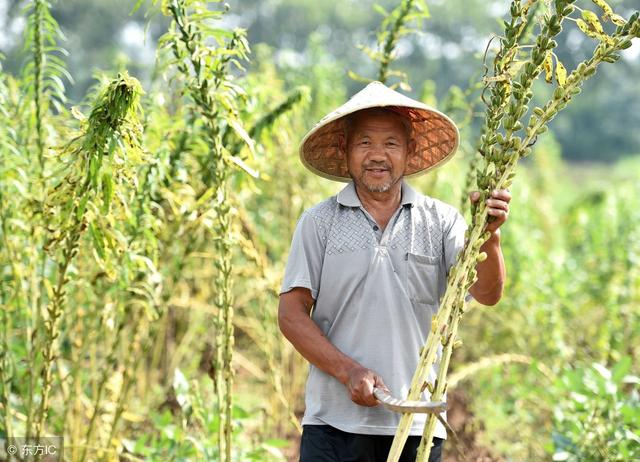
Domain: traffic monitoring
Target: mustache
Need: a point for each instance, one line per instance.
(380, 165)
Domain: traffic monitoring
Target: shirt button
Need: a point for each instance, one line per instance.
(375, 227)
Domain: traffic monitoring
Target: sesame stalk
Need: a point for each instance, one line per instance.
(501, 150)
(210, 86)
(505, 63)
(8, 254)
(43, 87)
(391, 39)
(266, 121)
(401, 21)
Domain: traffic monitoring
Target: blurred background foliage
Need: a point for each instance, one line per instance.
(448, 51)
(549, 372)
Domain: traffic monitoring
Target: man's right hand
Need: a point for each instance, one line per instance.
(361, 382)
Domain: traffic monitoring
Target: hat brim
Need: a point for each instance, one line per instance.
(435, 134)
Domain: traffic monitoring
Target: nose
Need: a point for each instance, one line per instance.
(377, 152)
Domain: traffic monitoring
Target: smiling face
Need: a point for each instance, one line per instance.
(377, 144)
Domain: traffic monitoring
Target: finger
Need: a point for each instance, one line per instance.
(367, 387)
(362, 393)
(357, 397)
(498, 204)
(380, 384)
(364, 400)
(500, 214)
(474, 196)
(368, 396)
(502, 194)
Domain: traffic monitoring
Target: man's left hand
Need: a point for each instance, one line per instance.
(497, 206)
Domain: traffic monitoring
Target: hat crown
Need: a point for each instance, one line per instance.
(375, 94)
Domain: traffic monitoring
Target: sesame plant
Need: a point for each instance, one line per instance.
(209, 85)
(44, 71)
(9, 168)
(207, 72)
(260, 323)
(39, 87)
(107, 247)
(268, 209)
(403, 20)
(98, 160)
(597, 418)
(502, 147)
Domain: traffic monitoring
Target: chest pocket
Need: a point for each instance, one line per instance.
(422, 278)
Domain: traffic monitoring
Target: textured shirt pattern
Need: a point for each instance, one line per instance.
(375, 293)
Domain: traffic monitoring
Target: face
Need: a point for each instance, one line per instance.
(377, 148)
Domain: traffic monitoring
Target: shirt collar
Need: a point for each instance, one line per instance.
(349, 198)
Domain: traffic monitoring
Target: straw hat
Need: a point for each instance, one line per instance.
(435, 134)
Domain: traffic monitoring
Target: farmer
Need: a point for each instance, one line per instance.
(372, 263)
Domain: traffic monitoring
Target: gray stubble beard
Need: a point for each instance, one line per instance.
(384, 187)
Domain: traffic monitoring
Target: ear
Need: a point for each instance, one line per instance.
(342, 144)
(411, 148)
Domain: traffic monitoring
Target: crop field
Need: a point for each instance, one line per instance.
(144, 233)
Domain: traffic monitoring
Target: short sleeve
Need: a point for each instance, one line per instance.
(453, 237)
(304, 265)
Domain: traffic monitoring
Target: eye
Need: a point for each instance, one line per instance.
(365, 143)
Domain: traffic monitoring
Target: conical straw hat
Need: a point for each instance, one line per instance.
(435, 134)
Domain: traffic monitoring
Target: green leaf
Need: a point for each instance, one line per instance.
(239, 129)
(239, 413)
(621, 369)
(358, 78)
(98, 240)
(603, 371)
(136, 7)
(81, 207)
(243, 165)
(422, 6)
(107, 192)
(277, 443)
(379, 9)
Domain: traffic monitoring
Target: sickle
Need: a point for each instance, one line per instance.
(400, 405)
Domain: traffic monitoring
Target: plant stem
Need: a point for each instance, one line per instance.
(51, 325)
(391, 40)
(216, 177)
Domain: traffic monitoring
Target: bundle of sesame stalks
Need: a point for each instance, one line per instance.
(506, 138)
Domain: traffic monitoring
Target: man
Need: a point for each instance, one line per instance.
(372, 262)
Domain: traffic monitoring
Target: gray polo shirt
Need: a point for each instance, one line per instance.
(375, 293)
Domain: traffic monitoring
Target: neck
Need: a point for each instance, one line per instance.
(378, 201)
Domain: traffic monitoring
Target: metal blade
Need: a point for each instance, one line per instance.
(400, 405)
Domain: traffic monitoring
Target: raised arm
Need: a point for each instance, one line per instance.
(491, 272)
